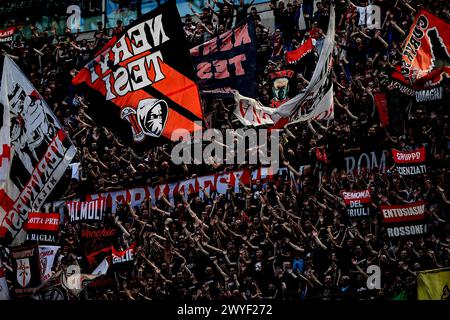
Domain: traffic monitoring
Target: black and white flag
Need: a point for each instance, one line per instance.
(35, 152)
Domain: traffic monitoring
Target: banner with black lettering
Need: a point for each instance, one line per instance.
(43, 227)
(228, 60)
(404, 220)
(83, 211)
(409, 163)
(27, 270)
(36, 152)
(123, 260)
(426, 53)
(147, 78)
(357, 203)
(7, 35)
(316, 101)
(95, 245)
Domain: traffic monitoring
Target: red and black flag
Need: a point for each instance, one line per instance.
(7, 35)
(426, 55)
(95, 245)
(43, 227)
(405, 220)
(422, 93)
(123, 260)
(296, 55)
(357, 203)
(146, 71)
(410, 162)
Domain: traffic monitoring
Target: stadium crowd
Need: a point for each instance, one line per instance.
(270, 240)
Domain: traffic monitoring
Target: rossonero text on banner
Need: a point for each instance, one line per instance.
(404, 220)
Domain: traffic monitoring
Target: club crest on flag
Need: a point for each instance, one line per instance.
(23, 272)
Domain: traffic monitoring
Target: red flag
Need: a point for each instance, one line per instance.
(426, 55)
(381, 103)
(7, 34)
(300, 52)
(42, 221)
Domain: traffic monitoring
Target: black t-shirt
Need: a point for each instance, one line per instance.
(225, 19)
(241, 12)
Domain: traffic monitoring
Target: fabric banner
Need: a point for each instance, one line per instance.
(410, 162)
(250, 112)
(103, 280)
(404, 220)
(4, 289)
(7, 35)
(420, 92)
(147, 73)
(27, 270)
(123, 260)
(76, 282)
(316, 101)
(280, 86)
(366, 161)
(96, 245)
(381, 103)
(296, 55)
(37, 148)
(102, 268)
(214, 183)
(93, 210)
(433, 284)
(42, 227)
(88, 233)
(357, 203)
(228, 60)
(47, 257)
(426, 54)
(431, 94)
